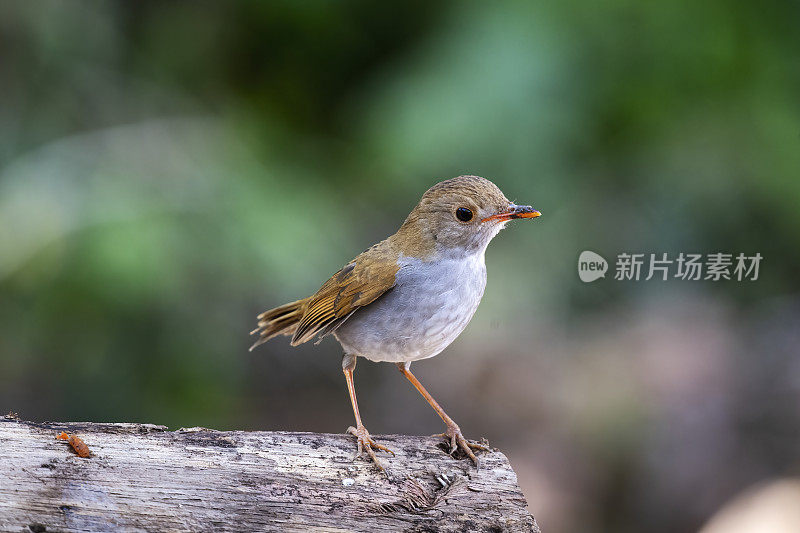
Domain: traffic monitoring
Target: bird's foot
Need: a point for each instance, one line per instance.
(458, 442)
(365, 443)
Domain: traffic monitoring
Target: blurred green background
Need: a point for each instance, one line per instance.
(168, 170)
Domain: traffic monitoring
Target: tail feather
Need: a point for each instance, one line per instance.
(282, 320)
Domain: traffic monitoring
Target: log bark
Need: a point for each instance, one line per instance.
(142, 477)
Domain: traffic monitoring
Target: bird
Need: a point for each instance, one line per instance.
(407, 297)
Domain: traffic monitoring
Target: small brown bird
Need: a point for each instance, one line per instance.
(407, 297)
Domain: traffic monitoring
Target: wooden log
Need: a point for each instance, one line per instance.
(142, 477)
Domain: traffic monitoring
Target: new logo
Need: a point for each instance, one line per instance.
(591, 266)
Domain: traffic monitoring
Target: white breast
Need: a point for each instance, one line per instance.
(430, 305)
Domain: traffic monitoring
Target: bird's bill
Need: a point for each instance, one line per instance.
(514, 211)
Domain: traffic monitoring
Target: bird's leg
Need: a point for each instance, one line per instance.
(365, 442)
(453, 432)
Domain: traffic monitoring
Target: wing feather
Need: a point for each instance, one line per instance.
(357, 284)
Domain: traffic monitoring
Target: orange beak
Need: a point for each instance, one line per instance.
(514, 211)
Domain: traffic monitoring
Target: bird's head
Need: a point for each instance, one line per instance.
(459, 216)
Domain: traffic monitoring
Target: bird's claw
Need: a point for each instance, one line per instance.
(457, 441)
(365, 443)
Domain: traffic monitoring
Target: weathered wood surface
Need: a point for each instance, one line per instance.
(144, 478)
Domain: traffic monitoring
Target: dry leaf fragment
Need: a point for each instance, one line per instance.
(76, 443)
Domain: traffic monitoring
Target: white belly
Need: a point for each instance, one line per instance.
(430, 305)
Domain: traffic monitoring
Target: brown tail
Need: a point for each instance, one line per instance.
(282, 320)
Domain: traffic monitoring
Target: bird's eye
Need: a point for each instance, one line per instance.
(463, 214)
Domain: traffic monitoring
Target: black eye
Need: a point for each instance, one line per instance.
(463, 214)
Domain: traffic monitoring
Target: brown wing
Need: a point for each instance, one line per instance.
(358, 284)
